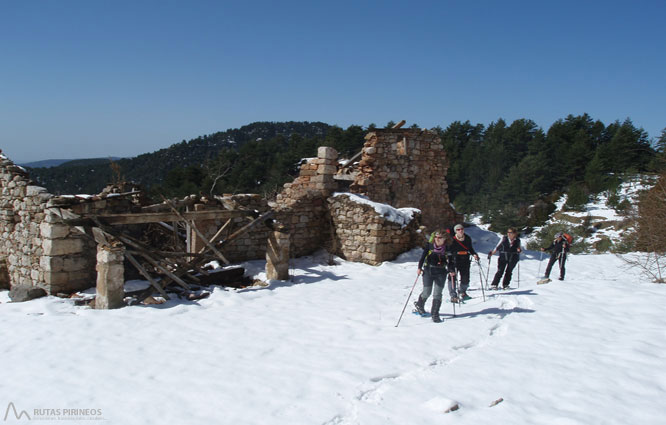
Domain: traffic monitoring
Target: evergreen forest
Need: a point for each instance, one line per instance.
(509, 172)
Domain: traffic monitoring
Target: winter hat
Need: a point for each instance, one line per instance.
(558, 235)
(458, 226)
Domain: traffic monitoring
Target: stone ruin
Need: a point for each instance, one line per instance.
(367, 211)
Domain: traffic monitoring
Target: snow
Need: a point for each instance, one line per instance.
(324, 348)
(401, 216)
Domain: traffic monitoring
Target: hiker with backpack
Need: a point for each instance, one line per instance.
(509, 251)
(560, 248)
(462, 251)
(435, 265)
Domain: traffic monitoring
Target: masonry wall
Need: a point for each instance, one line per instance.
(37, 248)
(302, 207)
(364, 235)
(406, 168)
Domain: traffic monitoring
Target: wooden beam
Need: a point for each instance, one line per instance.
(141, 218)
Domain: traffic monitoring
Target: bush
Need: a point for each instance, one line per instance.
(577, 197)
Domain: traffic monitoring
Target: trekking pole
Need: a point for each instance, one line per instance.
(519, 270)
(488, 274)
(478, 263)
(407, 302)
(540, 261)
(454, 283)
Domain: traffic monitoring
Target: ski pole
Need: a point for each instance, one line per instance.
(488, 274)
(407, 302)
(478, 263)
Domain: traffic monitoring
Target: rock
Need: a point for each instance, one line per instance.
(20, 293)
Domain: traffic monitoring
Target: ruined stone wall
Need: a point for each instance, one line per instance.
(37, 248)
(302, 207)
(366, 235)
(406, 168)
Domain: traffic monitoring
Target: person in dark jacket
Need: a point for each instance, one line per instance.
(559, 248)
(462, 250)
(509, 251)
(435, 265)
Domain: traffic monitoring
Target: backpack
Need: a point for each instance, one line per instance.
(568, 237)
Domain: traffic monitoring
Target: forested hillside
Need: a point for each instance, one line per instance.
(151, 169)
(511, 173)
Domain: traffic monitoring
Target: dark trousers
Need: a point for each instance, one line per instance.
(462, 264)
(505, 267)
(562, 257)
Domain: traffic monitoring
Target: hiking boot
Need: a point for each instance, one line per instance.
(434, 310)
(493, 288)
(419, 306)
(465, 297)
(505, 288)
(560, 278)
(455, 299)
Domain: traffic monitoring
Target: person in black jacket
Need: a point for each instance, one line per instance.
(560, 248)
(509, 251)
(462, 250)
(435, 265)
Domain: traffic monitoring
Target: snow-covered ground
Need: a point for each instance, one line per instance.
(324, 349)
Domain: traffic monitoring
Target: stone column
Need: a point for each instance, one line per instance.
(110, 276)
(277, 256)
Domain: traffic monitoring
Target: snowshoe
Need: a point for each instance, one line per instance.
(424, 314)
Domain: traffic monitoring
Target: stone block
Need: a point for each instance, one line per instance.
(54, 231)
(327, 169)
(25, 292)
(53, 247)
(52, 264)
(76, 263)
(327, 153)
(34, 190)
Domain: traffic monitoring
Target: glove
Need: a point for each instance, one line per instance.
(490, 254)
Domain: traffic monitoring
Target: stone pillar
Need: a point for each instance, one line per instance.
(277, 256)
(110, 276)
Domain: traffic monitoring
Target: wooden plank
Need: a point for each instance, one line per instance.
(216, 236)
(263, 217)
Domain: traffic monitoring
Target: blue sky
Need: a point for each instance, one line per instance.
(100, 78)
